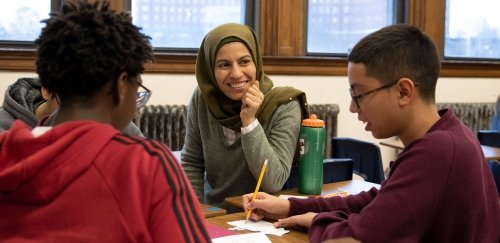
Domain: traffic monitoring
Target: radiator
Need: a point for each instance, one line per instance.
(329, 114)
(476, 116)
(167, 123)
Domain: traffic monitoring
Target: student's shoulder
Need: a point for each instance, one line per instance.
(442, 146)
(144, 153)
(197, 94)
(435, 141)
(6, 119)
(292, 105)
(138, 145)
(128, 141)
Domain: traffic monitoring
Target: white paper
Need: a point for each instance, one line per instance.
(284, 196)
(259, 226)
(258, 237)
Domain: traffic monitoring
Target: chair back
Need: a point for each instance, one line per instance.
(334, 170)
(489, 138)
(365, 155)
(495, 169)
(495, 122)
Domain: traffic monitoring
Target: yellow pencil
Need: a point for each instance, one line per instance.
(257, 187)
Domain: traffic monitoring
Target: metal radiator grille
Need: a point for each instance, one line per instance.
(165, 123)
(329, 114)
(476, 116)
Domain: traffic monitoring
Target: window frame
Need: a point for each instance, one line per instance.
(249, 20)
(398, 14)
(280, 27)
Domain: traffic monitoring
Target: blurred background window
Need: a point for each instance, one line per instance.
(472, 29)
(182, 24)
(334, 26)
(20, 19)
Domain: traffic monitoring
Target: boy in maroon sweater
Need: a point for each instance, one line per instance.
(80, 179)
(439, 188)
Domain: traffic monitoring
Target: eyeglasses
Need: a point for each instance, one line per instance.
(143, 95)
(356, 98)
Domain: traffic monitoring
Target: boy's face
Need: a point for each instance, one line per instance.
(377, 109)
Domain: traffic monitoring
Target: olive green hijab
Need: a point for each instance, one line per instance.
(225, 110)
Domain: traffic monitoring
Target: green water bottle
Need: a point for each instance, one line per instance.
(312, 147)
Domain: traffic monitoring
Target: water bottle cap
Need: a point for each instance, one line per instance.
(313, 121)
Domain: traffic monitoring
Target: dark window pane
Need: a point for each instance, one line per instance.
(183, 24)
(472, 29)
(334, 26)
(20, 19)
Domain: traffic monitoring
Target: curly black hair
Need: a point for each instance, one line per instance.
(86, 45)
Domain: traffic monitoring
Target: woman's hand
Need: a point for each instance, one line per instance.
(250, 103)
(266, 206)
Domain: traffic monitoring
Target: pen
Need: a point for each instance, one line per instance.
(257, 187)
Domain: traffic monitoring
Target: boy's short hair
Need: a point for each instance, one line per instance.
(86, 45)
(400, 51)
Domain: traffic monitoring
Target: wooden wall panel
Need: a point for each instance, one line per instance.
(429, 16)
(281, 27)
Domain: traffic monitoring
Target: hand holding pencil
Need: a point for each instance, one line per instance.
(265, 206)
(257, 187)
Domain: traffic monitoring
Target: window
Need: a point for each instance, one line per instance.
(175, 24)
(334, 26)
(20, 19)
(472, 29)
(282, 25)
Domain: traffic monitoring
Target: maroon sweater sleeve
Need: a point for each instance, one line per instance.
(350, 204)
(331, 210)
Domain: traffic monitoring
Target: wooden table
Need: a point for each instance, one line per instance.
(211, 211)
(352, 187)
(490, 153)
(294, 235)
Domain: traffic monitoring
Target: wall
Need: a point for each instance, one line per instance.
(177, 89)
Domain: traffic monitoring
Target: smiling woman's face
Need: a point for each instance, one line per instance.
(235, 70)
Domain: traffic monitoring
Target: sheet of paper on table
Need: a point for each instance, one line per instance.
(284, 196)
(330, 194)
(243, 238)
(259, 226)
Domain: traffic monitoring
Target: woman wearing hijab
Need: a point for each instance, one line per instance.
(237, 119)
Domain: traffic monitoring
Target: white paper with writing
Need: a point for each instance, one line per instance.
(284, 196)
(259, 226)
(258, 237)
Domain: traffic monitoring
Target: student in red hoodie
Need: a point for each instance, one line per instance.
(80, 179)
(439, 189)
